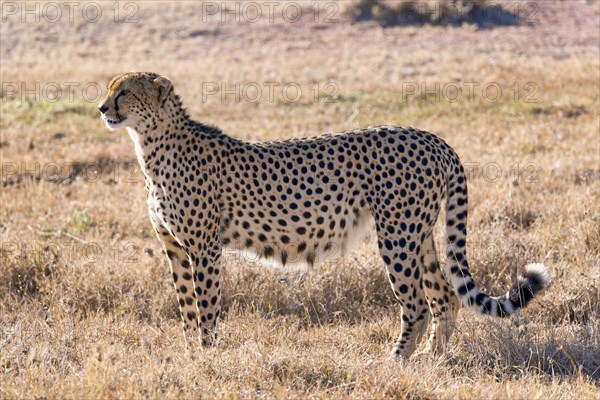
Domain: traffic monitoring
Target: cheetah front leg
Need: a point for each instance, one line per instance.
(207, 264)
(183, 273)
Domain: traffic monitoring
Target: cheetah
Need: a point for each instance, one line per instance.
(292, 201)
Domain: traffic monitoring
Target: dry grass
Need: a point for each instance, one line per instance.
(86, 304)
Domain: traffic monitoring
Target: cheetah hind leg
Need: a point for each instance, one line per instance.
(443, 303)
(404, 273)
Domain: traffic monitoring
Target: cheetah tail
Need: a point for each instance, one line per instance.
(533, 280)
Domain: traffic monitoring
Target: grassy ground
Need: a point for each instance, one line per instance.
(87, 308)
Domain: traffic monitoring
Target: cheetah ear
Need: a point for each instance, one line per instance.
(164, 88)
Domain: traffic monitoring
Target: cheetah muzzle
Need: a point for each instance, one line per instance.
(299, 201)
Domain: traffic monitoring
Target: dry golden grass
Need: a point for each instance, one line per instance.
(87, 308)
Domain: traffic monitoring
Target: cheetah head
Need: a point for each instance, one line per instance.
(134, 98)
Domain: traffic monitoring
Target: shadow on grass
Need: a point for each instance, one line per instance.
(510, 352)
(330, 295)
(415, 13)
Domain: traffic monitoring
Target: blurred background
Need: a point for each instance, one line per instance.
(86, 303)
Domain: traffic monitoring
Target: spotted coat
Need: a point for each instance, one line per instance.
(303, 201)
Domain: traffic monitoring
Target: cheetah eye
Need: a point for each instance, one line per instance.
(123, 93)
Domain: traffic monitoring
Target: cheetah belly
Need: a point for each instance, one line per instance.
(291, 251)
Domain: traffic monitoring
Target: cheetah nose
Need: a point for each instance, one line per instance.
(102, 108)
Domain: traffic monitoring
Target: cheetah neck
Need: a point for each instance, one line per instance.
(154, 138)
(168, 139)
(156, 147)
(141, 150)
